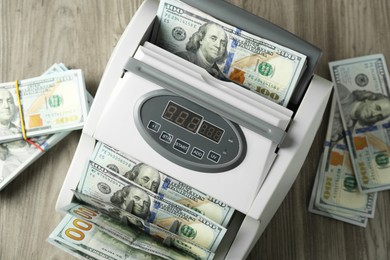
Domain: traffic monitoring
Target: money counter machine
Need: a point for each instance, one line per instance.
(262, 146)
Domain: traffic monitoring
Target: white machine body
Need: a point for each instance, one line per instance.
(255, 186)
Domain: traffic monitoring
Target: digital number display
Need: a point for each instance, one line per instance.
(211, 131)
(190, 121)
(182, 117)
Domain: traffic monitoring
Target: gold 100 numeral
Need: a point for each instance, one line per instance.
(80, 226)
(77, 232)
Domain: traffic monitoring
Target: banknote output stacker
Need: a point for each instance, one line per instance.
(267, 143)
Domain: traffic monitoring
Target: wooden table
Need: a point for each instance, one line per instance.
(82, 34)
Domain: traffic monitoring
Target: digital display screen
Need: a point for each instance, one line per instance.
(211, 131)
(182, 117)
(192, 122)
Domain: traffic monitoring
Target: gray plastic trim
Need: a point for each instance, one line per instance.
(212, 103)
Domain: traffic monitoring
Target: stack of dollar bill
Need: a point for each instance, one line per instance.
(355, 164)
(125, 209)
(227, 52)
(49, 107)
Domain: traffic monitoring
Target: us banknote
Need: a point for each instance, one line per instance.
(134, 231)
(162, 184)
(16, 156)
(48, 104)
(56, 67)
(334, 214)
(337, 188)
(98, 182)
(362, 91)
(228, 53)
(84, 240)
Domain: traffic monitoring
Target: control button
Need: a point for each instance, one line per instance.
(181, 146)
(166, 137)
(196, 152)
(154, 126)
(213, 156)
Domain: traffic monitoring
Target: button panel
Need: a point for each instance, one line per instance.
(213, 156)
(166, 137)
(188, 134)
(181, 146)
(197, 153)
(154, 126)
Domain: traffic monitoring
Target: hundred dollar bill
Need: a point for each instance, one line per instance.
(100, 183)
(134, 231)
(51, 103)
(71, 250)
(16, 156)
(84, 240)
(362, 91)
(162, 184)
(337, 186)
(342, 216)
(228, 53)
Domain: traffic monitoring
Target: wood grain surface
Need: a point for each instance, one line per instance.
(35, 34)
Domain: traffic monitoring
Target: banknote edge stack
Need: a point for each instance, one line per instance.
(12, 165)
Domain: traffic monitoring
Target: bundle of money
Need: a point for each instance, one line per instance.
(120, 224)
(335, 192)
(161, 183)
(37, 97)
(47, 104)
(102, 184)
(356, 159)
(84, 240)
(227, 52)
(143, 209)
(363, 94)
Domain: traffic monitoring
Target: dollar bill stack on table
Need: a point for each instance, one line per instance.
(48, 108)
(124, 208)
(355, 164)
